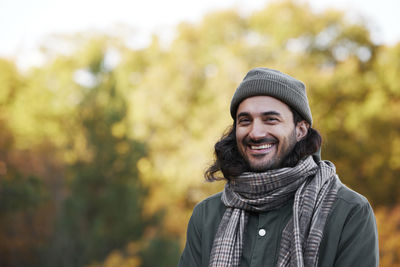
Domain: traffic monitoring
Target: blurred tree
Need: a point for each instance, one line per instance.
(104, 209)
(388, 220)
(27, 181)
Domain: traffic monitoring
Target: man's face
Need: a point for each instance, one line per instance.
(265, 132)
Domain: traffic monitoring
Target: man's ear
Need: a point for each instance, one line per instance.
(301, 130)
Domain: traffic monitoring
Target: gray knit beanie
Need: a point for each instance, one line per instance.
(268, 82)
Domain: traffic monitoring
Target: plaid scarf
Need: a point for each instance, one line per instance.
(314, 188)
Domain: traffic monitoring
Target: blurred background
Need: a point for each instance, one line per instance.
(109, 111)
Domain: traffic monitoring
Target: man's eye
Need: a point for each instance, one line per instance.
(244, 120)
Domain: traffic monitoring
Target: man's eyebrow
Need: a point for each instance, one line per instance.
(269, 113)
(243, 114)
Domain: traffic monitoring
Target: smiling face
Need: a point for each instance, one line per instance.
(265, 132)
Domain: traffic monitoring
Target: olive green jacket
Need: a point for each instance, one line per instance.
(350, 236)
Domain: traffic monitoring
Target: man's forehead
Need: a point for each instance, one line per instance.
(261, 104)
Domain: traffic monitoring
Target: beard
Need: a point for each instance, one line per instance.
(286, 157)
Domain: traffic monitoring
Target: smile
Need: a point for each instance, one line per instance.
(259, 147)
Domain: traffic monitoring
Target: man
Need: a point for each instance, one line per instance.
(282, 205)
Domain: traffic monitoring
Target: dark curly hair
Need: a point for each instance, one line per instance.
(230, 162)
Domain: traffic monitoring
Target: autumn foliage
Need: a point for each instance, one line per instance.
(103, 147)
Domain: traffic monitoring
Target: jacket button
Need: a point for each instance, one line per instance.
(262, 232)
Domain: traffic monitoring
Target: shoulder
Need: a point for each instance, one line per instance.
(209, 209)
(213, 199)
(210, 204)
(350, 236)
(351, 197)
(350, 205)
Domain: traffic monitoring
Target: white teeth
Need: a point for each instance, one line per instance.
(261, 147)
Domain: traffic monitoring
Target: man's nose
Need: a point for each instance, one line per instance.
(257, 131)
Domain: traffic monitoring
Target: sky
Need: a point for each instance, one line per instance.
(24, 24)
